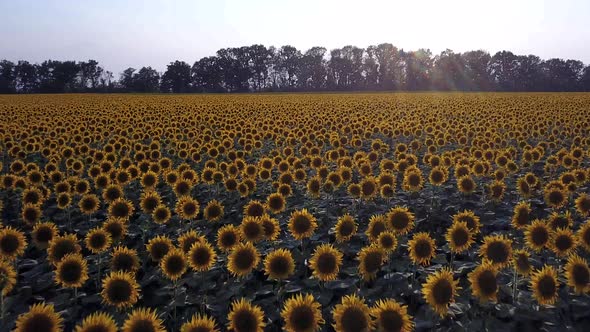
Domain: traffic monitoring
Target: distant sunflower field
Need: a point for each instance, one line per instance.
(294, 212)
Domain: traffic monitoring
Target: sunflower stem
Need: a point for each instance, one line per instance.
(174, 299)
(514, 285)
(452, 260)
(1, 306)
(99, 263)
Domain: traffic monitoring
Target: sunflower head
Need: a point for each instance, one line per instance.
(497, 249)
(40, 317)
(459, 237)
(279, 264)
(243, 259)
(43, 233)
(387, 241)
(352, 315)
(400, 220)
(174, 264)
(560, 220)
(537, 235)
(583, 235)
(124, 259)
(7, 277)
(116, 228)
(421, 248)
(302, 313)
(391, 316)
(563, 242)
(143, 319)
(149, 201)
(583, 204)
(438, 176)
(555, 197)
(158, 247)
(271, 227)
(62, 245)
(200, 323)
(254, 208)
(377, 225)
(578, 274)
(202, 256)
(187, 208)
(484, 283)
(345, 228)
(71, 271)
(31, 213)
(161, 214)
(470, 219)
(89, 204)
(325, 262)
(544, 285)
(276, 203)
(187, 239)
(371, 258)
(227, 237)
(98, 240)
(521, 215)
(302, 224)
(245, 317)
(119, 289)
(466, 185)
(521, 262)
(252, 229)
(213, 211)
(440, 290)
(97, 322)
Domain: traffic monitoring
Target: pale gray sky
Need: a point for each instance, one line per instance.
(134, 33)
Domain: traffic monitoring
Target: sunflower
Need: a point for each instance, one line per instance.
(187, 208)
(97, 322)
(31, 213)
(149, 180)
(7, 277)
(544, 285)
(537, 235)
(466, 185)
(89, 204)
(400, 220)
(254, 208)
(390, 316)
(174, 264)
(161, 214)
(583, 204)
(41, 317)
(438, 175)
(352, 315)
(459, 237)
(201, 256)
(369, 187)
(521, 262)
(98, 240)
(149, 200)
(251, 229)
(271, 227)
(387, 241)
(560, 220)
(440, 290)
(112, 192)
(520, 218)
(413, 180)
(578, 274)
(245, 317)
(120, 289)
(496, 190)
(276, 203)
(371, 259)
(484, 283)
(143, 319)
(421, 248)
(562, 242)
(524, 188)
(497, 249)
(243, 259)
(555, 197)
(43, 233)
(12, 243)
(345, 228)
(354, 190)
(583, 235)
(302, 224)
(182, 188)
(326, 262)
(302, 313)
(377, 225)
(279, 264)
(124, 259)
(63, 200)
(71, 271)
(158, 247)
(228, 236)
(470, 219)
(200, 323)
(116, 228)
(213, 211)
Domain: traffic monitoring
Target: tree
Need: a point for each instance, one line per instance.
(26, 77)
(7, 77)
(146, 80)
(418, 69)
(312, 69)
(90, 73)
(126, 80)
(177, 78)
(207, 75)
(477, 66)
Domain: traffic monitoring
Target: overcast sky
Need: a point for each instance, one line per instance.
(134, 33)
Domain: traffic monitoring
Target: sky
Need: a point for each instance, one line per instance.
(120, 34)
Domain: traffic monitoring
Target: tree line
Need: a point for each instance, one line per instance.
(257, 68)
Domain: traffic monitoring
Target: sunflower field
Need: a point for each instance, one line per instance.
(295, 212)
